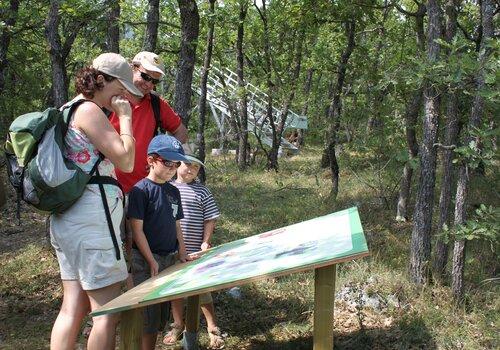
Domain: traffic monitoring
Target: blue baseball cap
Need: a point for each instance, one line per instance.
(167, 147)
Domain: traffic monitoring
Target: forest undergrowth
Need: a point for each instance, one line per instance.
(376, 306)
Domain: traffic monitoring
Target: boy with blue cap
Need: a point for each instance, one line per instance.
(155, 211)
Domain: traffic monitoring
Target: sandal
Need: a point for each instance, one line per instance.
(173, 335)
(216, 338)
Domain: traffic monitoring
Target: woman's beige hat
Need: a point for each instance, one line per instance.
(116, 66)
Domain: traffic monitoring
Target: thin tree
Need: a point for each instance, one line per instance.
(412, 110)
(377, 95)
(242, 95)
(113, 32)
(420, 249)
(59, 77)
(305, 107)
(272, 160)
(190, 27)
(9, 16)
(153, 17)
(487, 13)
(59, 51)
(411, 116)
(450, 139)
(202, 104)
(294, 77)
(335, 107)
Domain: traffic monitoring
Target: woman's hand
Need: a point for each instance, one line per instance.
(121, 106)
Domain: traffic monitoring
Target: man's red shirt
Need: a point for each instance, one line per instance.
(143, 125)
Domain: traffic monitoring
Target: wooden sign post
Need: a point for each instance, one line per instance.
(324, 297)
(318, 244)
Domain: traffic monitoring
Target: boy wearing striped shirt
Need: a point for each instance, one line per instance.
(200, 214)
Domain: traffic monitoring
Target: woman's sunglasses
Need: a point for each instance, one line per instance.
(147, 77)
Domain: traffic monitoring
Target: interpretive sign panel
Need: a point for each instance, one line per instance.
(304, 246)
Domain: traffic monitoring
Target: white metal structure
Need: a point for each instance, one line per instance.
(223, 84)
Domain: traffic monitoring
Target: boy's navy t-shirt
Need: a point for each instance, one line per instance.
(159, 207)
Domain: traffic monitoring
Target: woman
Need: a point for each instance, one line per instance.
(91, 275)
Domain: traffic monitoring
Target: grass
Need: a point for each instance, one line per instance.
(277, 313)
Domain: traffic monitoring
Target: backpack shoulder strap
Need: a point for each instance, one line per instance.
(69, 109)
(155, 104)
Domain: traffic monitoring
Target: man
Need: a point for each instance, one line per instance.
(148, 70)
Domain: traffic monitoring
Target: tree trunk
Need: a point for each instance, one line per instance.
(334, 111)
(202, 105)
(113, 34)
(286, 105)
(151, 36)
(374, 120)
(59, 77)
(242, 95)
(305, 108)
(451, 135)
(458, 265)
(411, 117)
(420, 249)
(272, 155)
(9, 16)
(487, 13)
(190, 21)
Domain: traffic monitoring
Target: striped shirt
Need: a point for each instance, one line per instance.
(198, 205)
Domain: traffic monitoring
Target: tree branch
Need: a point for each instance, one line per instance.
(403, 11)
(467, 35)
(170, 24)
(258, 10)
(446, 147)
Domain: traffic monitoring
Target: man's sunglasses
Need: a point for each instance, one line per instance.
(169, 163)
(147, 77)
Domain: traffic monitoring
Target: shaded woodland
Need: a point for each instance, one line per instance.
(411, 86)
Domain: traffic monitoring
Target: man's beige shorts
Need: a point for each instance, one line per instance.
(83, 243)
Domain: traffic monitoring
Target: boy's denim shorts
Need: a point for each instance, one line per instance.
(83, 245)
(155, 316)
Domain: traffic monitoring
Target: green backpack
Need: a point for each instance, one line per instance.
(37, 168)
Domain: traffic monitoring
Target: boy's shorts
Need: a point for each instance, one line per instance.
(83, 245)
(155, 316)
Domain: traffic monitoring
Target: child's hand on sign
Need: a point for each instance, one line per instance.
(153, 267)
(205, 246)
(187, 257)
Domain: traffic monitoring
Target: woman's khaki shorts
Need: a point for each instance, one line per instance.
(83, 243)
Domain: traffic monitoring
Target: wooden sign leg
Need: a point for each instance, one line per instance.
(190, 339)
(131, 329)
(324, 297)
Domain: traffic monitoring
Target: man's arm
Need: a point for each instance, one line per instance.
(181, 133)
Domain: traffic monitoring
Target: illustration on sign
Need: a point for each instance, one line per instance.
(307, 243)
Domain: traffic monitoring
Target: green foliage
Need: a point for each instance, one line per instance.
(485, 225)
(481, 149)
